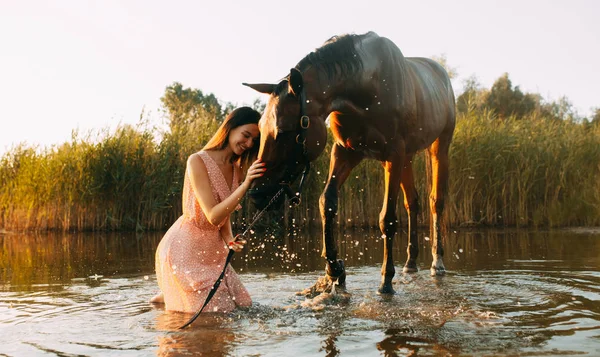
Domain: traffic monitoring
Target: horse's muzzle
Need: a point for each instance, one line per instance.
(261, 196)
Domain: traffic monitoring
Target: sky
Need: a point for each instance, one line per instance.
(91, 65)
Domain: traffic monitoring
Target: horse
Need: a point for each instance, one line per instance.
(380, 105)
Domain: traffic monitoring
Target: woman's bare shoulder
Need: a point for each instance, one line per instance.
(196, 165)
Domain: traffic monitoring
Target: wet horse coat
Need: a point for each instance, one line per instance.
(381, 105)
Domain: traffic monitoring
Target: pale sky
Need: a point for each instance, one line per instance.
(94, 64)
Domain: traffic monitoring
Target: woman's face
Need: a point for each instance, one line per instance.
(243, 138)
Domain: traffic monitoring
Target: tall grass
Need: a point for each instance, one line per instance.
(115, 181)
(528, 171)
(515, 172)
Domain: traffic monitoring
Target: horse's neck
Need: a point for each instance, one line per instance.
(322, 92)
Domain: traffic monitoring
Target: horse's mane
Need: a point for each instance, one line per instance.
(337, 56)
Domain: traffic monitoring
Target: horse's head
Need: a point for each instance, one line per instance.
(291, 135)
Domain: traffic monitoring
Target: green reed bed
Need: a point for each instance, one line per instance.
(516, 172)
(527, 171)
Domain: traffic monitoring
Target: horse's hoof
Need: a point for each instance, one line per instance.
(437, 267)
(340, 280)
(325, 284)
(439, 271)
(335, 269)
(410, 268)
(386, 289)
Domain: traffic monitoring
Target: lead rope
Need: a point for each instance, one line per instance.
(213, 290)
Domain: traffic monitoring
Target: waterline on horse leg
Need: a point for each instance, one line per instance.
(387, 270)
(386, 286)
(411, 262)
(437, 249)
(332, 294)
(328, 283)
(336, 271)
(437, 267)
(410, 267)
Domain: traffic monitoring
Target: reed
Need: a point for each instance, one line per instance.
(529, 171)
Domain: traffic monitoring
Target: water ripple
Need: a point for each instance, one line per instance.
(485, 305)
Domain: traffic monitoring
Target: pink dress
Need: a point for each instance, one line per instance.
(191, 255)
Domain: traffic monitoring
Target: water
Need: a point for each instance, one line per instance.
(506, 293)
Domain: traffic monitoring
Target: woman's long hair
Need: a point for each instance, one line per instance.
(219, 141)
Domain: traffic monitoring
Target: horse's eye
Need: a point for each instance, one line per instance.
(278, 134)
(278, 131)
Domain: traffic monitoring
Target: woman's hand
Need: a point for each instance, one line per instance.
(257, 169)
(237, 244)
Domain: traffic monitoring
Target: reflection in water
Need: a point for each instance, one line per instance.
(403, 342)
(55, 258)
(212, 334)
(506, 293)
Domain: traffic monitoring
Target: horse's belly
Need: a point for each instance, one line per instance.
(370, 144)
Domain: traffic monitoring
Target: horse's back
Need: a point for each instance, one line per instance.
(426, 77)
(430, 72)
(414, 94)
(419, 86)
(433, 93)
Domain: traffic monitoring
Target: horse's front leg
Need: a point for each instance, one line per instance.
(341, 164)
(388, 222)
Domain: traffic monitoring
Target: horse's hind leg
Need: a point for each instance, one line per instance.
(388, 222)
(439, 185)
(342, 162)
(411, 203)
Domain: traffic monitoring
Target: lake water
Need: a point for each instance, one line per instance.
(506, 293)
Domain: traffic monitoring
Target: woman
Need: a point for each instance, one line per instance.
(190, 257)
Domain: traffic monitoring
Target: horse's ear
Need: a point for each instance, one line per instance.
(296, 82)
(265, 88)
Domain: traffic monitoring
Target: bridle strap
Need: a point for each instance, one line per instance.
(295, 198)
(303, 126)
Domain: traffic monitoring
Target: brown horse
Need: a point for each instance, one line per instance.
(380, 105)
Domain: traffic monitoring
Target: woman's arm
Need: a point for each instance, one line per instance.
(199, 180)
(227, 232)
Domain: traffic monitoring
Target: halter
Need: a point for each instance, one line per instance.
(295, 198)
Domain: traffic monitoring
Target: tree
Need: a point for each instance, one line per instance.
(473, 96)
(595, 116)
(505, 100)
(259, 105)
(187, 105)
(443, 61)
(562, 109)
